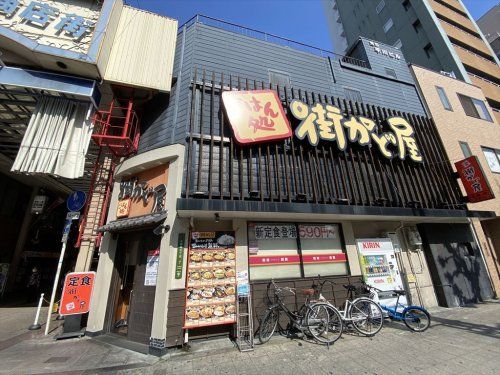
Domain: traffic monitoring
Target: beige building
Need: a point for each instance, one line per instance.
(466, 125)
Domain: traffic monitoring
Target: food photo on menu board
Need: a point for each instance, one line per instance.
(211, 279)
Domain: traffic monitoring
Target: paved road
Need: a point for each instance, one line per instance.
(460, 341)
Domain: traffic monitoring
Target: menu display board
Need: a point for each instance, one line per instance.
(211, 280)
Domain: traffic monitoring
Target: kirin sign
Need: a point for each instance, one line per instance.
(258, 116)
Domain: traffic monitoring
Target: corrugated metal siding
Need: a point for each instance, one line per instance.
(143, 50)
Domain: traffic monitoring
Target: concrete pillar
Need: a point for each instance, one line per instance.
(100, 294)
(351, 249)
(240, 228)
(166, 263)
(489, 256)
(21, 240)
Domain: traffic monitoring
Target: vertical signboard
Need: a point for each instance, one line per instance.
(474, 181)
(210, 279)
(77, 293)
(180, 256)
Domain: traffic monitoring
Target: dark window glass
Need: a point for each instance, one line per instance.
(444, 98)
(417, 25)
(474, 107)
(465, 149)
(406, 4)
(428, 49)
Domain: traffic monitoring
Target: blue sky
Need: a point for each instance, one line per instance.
(300, 20)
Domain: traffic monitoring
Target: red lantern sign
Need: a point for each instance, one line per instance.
(474, 181)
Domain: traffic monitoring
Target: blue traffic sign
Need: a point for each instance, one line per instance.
(76, 201)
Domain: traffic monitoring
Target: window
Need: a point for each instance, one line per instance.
(398, 44)
(406, 4)
(493, 158)
(390, 72)
(417, 26)
(444, 98)
(465, 149)
(290, 250)
(428, 49)
(380, 6)
(388, 25)
(279, 78)
(353, 94)
(474, 107)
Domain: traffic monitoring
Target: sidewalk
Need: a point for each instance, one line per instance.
(460, 340)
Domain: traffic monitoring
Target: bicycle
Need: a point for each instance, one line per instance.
(416, 318)
(317, 319)
(363, 313)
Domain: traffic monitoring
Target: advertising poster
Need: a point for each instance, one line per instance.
(211, 280)
(152, 268)
(77, 293)
(379, 266)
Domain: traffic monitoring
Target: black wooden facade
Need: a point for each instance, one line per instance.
(292, 171)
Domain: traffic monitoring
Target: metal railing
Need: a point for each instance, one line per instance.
(271, 38)
(483, 79)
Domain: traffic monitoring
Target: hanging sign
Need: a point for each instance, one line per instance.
(256, 116)
(210, 280)
(152, 268)
(38, 204)
(77, 292)
(475, 183)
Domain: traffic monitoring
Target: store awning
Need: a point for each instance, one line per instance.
(133, 222)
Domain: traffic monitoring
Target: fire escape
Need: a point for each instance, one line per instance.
(116, 133)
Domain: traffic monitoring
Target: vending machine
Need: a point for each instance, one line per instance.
(380, 267)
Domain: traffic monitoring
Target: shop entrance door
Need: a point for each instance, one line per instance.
(457, 269)
(133, 300)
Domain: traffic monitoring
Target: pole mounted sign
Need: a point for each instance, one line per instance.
(258, 116)
(475, 183)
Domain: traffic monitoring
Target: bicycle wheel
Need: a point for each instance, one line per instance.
(366, 316)
(268, 325)
(416, 318)
(324, 323)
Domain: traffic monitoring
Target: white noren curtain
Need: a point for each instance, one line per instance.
(57, 139)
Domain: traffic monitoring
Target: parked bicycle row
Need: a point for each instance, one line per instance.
(320, 319)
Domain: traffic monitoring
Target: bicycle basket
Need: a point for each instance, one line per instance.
(362, 291)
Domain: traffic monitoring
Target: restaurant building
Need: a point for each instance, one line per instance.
(70, 71)
(272, 159)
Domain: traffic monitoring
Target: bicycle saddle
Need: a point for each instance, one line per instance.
(400, 292)
(308, 292)
(350, 287)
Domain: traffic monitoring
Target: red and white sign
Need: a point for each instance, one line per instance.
(256, 116)
(317, 231)
(77, 292)
(475, 183)
(273, 260)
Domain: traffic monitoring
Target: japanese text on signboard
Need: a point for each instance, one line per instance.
(58, 24)
(141, 191)
(474, 180)
(77, 292)
(326, 122)
(256, 116)
(275, 232)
